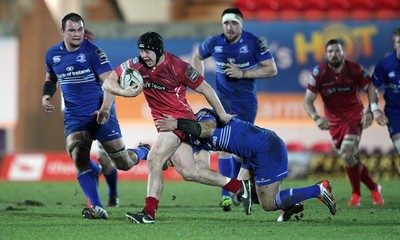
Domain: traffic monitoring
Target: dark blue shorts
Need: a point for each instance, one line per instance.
(393, 116)
(270, 164)
(103, 133)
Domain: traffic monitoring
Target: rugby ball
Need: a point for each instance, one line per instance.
(130, 77)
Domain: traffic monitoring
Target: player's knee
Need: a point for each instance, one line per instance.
(347, 152)
(80, 154)
(121, 160)
(268, 204)
(188, 176)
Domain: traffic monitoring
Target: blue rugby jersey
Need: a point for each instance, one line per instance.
(387, 72)
(238, 137)
(78, 73)
(246, 53)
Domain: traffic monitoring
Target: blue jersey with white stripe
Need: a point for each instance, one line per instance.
(78, 73)
(247, 53)
(387, 72)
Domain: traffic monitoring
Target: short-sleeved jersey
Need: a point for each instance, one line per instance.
(247, 53)
(340, 92)
(78, 73)
(387, 72)
(165, 86)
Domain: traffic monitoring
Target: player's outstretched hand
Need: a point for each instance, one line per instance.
(102, 116)
(323, 123)
(167, 124)
(132, 91)
(380, 117)
(48, 107)
(367, 120)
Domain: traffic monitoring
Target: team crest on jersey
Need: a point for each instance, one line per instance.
(56, 59)
(102, 55)
(81, 58)
(192, 74)
(218, 49)
(244, 49)
(391, 74)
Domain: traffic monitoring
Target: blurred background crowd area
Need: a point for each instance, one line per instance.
(100, 12)
(296, 31)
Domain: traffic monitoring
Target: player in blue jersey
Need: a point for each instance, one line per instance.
(387, 73)
(80, 67)
(240, 58)
(264, 154)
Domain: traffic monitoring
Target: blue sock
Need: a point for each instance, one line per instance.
(89, 186)
(141, 152)
(289, 197)
(236, 165)
(225, 168)
(96, 168)
(112, 182)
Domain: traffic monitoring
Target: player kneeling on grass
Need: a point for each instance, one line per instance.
(263, 152)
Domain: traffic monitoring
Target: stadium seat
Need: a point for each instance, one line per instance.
(265, 15)
(290, 10)
(362, 10)
(322, 147)
(295, 146)
(267, 10)
(245, 5)
(314, 10)
(338, 10)
(387, 10)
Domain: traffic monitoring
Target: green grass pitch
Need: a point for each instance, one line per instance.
(190, 211)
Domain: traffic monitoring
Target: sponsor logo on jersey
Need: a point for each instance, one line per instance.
(218, 49)
(338, 90)
(69, 68)
(135, 60)
(312, 81)
(262, 44)
(192, 74)
(56, 59)
(102, 55)
(154, 86)
(315, 71)
(231, 60)
(392, 74)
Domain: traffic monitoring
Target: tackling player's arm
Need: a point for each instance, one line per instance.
(49, 88)
(202, 129)
(208, 92)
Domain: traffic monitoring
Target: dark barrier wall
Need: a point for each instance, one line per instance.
(297, 47)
